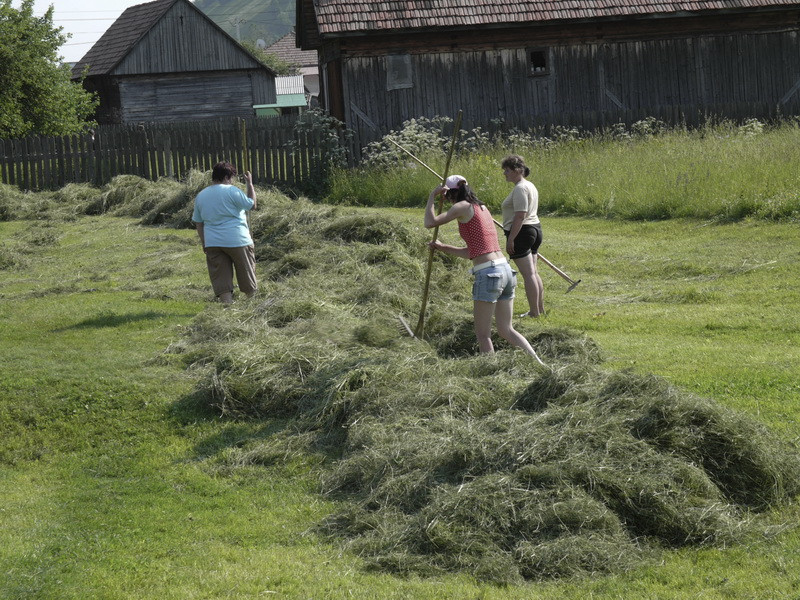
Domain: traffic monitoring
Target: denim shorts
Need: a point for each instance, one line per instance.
(494, 283)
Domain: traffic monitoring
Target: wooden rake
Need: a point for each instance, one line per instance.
(420, 328)
(573, 283)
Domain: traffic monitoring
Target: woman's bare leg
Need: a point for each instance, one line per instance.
(503, 315)
(483, 313)
(534, 289)
(538, 282)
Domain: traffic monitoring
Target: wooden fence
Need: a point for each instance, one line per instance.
(270, 148)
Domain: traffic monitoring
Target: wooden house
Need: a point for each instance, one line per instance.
(167, 61)
(538, 62)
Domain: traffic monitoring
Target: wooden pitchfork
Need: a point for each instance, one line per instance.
(420, 329)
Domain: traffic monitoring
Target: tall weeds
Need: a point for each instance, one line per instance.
(722, 171)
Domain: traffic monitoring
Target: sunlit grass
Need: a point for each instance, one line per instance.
(108, 487)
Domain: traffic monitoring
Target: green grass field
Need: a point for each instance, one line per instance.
(107, 484)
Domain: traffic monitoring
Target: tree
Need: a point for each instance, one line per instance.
(37, 95)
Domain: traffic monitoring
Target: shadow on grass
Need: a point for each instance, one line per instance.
(191, 408)
(253, 441)
(236, 435)
(114, 320)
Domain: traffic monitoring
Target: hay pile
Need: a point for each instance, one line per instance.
(66, 204)
(447, 460)
(163, 202)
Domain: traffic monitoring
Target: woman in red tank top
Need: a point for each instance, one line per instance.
(493, 288)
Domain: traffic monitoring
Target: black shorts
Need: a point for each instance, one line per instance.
(527, 241)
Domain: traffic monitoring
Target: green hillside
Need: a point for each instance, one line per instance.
(257, 19)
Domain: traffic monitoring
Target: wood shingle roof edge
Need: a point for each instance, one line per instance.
(344, 18)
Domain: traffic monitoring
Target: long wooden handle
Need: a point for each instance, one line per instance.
(420, 329)
(417, 159)
(545, 261)
(556, 269)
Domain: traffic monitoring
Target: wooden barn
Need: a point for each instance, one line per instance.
(167, 61)
(537, 62)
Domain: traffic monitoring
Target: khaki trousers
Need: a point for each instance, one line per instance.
(221, 264)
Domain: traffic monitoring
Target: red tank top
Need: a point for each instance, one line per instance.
(479, 232)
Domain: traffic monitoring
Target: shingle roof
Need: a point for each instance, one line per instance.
(286, 49)
(359, 16)
(121, 37)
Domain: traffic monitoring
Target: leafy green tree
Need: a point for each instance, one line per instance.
(37, 95)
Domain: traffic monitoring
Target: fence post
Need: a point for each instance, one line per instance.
(4, 164)
(245, 154)
(143, 151)
(168, 157)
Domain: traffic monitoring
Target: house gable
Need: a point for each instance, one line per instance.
(286, 49)
(118, 39)
(164, 36)
(185, 40)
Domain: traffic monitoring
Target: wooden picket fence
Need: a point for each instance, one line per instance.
(270, 148)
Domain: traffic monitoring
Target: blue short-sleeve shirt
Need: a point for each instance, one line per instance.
(222, 211)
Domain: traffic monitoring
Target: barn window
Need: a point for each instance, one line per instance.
(537, 62)
(398, 72)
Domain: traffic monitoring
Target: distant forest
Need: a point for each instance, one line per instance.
(251, 20)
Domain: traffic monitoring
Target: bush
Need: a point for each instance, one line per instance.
(329, 135)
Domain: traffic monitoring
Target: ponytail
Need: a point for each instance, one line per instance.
(516, 163)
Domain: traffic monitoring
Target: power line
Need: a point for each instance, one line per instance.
(92, 19)
(81, 11)
(259, 13)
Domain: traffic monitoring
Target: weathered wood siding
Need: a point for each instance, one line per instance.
(676, 76)
(182, 67)
(183, 97)
(183, 40)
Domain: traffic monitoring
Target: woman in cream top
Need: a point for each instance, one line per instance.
(523, 230)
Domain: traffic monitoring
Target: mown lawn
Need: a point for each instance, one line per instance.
(105, 490)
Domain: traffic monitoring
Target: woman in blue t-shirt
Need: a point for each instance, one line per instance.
(220, 216)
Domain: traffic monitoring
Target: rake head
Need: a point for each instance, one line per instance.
(406, 326)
